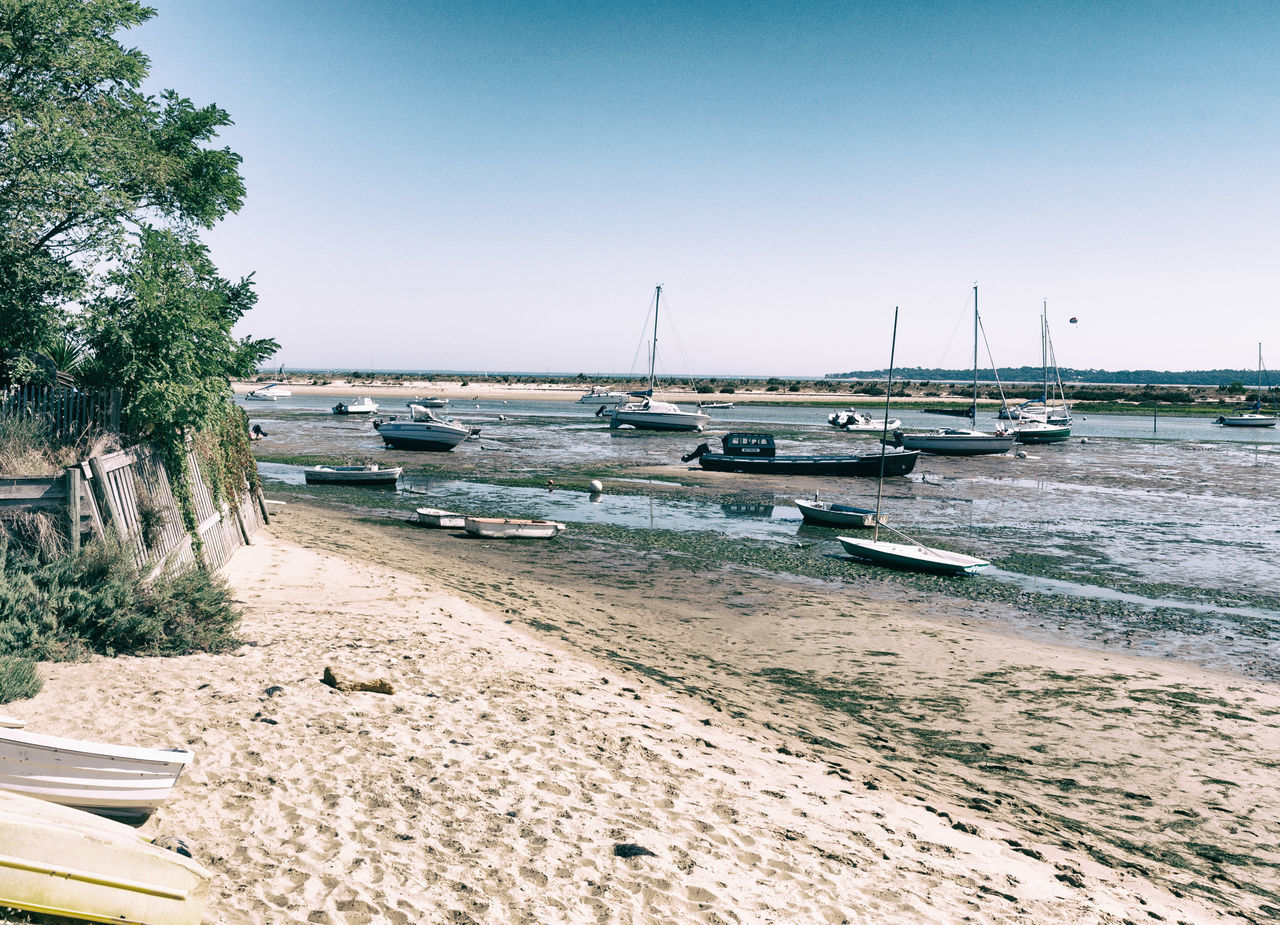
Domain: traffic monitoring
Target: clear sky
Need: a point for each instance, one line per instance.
(500, 185)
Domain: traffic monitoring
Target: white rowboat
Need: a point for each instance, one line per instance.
(433, 517)
(912, 556)
(119, 781)
(502, 528)
(352, 475)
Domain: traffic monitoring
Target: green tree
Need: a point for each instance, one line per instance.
(162, 331)
(85, 158)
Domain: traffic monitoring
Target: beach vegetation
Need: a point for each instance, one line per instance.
(19, 678)
(96, 602)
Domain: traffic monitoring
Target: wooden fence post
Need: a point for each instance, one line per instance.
(113, 514)
(73, 506)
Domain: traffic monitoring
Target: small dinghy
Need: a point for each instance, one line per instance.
(353, 475)
(504, 528)
(830, 514)
(912, 555)
(59, 861)
(433, 517)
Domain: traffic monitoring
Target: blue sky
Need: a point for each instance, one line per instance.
(492, 185)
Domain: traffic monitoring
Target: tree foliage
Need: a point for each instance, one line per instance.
(86, 158)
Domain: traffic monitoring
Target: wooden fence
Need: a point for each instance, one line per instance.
(69, 411)
(128, 493)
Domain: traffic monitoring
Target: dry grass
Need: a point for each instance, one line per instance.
(28, 447)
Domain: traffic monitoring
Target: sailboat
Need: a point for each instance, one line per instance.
(1045, 424)
(1254, 418)
(956, 441)
(910, 554)
(647, 414)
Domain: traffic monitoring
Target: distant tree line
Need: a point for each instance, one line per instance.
(1198, 377)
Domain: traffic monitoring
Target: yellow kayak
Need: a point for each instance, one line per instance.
(62, 861)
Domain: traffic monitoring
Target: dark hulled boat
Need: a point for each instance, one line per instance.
(756, 453)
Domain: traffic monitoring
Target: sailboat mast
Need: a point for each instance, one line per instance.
(1044, 356)
(653, 353)
(973, 411)
(884, 434)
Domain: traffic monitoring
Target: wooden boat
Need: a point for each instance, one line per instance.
(352, 475)
(1254, 418)
(502, 528)
(756, 453)
(60, 861)
(912, 555)
(831, 514)
(362, 405)
(433, 517)
(647, 414)
(121, 782)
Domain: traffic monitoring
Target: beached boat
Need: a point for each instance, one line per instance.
(857, 421)
(272, 391)
(430, 433)
(960, 441)
(430, 401)
(910, 554)
(1254, 418)
(361, 405)
(756, 453)
(600, 395)
(122, 782)
(714, 405)
(374, 475)
(434, 517)
(647, 414)
(832, 514)
(60, 861)
(507, 528)
(1039, 421)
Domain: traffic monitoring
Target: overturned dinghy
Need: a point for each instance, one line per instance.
(121, 782)
(60, 861)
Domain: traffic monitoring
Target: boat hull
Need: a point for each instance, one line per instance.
(117, 781)
(366, 476)
(500, 528)
(59, 861)
(836, 515)
(659, 420)
(1043, 433)
(860, 466)
(433, 517)
(1248, 420)
(415, 435)
(913, 557)
(955, 444)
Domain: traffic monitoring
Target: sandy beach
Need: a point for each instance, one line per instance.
(540, 725)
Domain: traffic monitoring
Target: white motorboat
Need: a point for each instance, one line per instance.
(272, 391)
(601, 395)
(426, 432)
(1254, 418)
(647, 414)
(832, 514)
(430, 401)
(506, 528)
(122, 782)
(714, 405)
(62, 862)
(361, 405)
(857, 421)
(434, 517)
(374, 475)
(912, 556)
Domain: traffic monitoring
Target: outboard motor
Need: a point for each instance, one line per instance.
(702, 448)
(897, 438)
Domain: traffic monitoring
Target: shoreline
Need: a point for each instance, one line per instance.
(517, 752)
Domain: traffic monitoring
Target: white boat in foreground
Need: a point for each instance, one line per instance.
(361, 405)
(352, 475)
(434, 517)
(60, 861)
(118, 781)
(503, 528)
(912, 556)
(830, 514)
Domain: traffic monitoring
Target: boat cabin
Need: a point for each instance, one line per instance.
(748, 445)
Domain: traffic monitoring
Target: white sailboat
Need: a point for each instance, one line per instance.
(1045, 423)
(958, 441)
(1254, 418)
(909, 554)
(648, 414)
